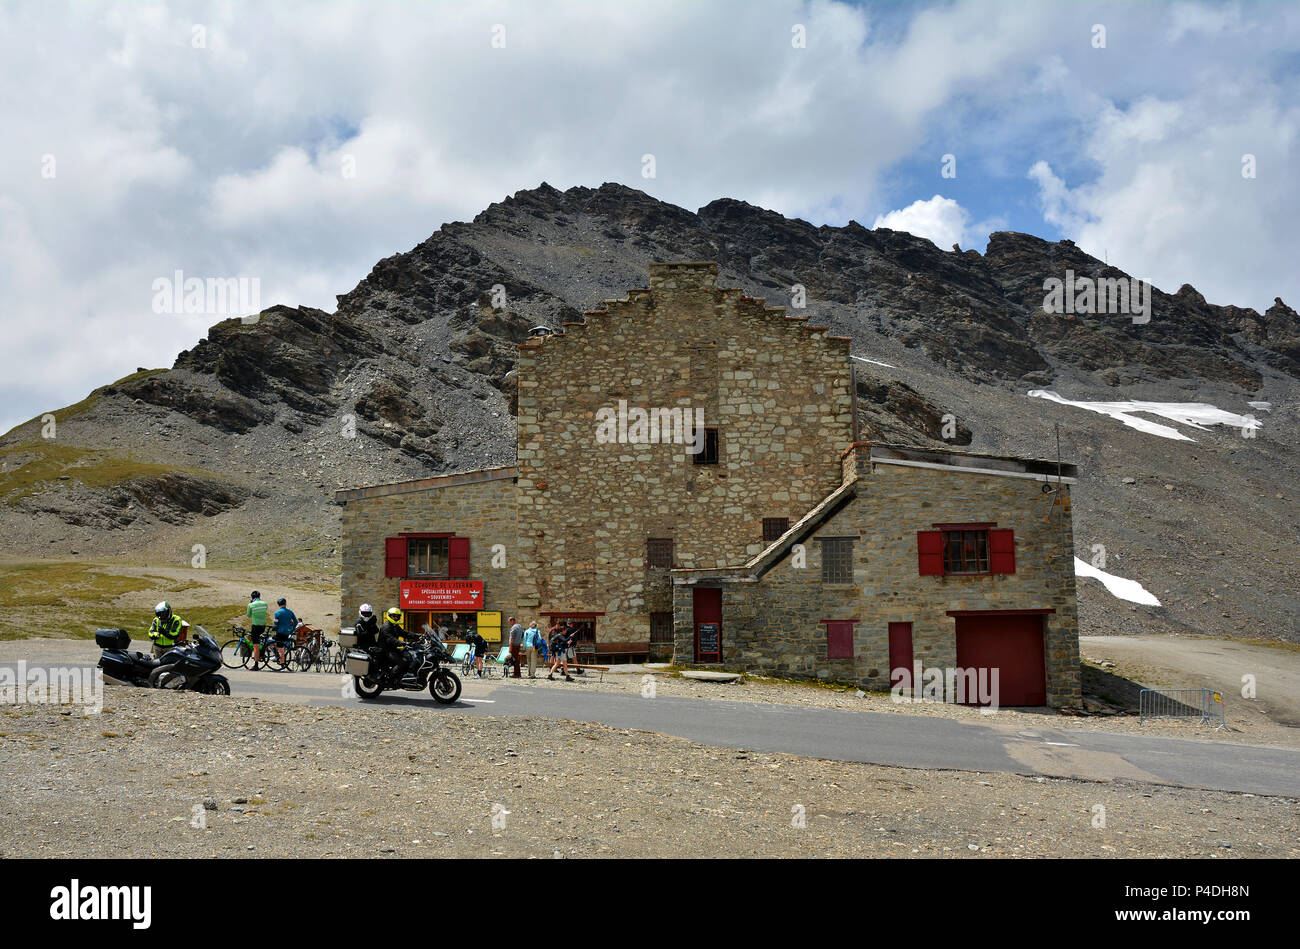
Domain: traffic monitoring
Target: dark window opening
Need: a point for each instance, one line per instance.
(774, 527)
(837, 559)
(661, 627)
(966, 551)
(708, 454)
(585, 626)
(659, 552)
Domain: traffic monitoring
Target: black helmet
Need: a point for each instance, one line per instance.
(280, 602)
(254, 595)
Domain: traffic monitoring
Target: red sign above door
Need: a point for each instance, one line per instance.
(442, 595)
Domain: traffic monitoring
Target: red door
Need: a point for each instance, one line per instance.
(900, 649)
(708, 624)
(1012, 644)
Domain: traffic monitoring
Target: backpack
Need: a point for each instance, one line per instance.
(559, 642)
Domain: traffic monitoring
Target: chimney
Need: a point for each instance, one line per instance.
(855, 462)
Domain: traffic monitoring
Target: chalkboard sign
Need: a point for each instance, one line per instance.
(709, 640)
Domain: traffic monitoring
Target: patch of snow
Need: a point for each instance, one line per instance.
(874, 362)
(1262, 406)
(1129, 590)
(1196, 414)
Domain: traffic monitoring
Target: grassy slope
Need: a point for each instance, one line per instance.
(73, 599)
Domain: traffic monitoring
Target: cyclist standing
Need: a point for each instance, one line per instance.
(285, 623)
(256, 612)
(480, 647)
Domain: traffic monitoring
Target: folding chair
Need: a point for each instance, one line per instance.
(498, 661)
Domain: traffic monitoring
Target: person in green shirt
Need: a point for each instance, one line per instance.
(257, 610)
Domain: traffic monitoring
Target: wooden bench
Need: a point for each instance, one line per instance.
(613, 652)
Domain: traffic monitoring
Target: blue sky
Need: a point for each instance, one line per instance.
(217, 138)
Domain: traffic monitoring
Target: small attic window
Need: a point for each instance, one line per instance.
(708, 454)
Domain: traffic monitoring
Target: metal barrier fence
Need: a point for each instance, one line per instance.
(1204, 704)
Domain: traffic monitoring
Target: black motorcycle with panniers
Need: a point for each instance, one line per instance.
(373, 673)
(189, 665)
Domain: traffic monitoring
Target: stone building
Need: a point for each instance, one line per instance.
(689, 485)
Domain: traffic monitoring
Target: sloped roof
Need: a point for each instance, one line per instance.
(769, 557)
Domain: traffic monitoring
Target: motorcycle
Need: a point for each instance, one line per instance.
(120, 666)
(186, 666)
(192, 666)
(372, 675)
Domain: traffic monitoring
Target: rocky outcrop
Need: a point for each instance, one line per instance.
(892, 411)
(413, 375)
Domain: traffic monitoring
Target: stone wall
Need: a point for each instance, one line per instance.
(773, 626)
(778, 390)
(482, 510)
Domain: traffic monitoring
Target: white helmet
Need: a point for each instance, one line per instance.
(366, 610)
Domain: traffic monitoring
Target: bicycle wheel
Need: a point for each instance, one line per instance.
(271, 657)
(231, 656)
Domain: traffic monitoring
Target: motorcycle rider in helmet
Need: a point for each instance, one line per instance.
(166, 629)
(392, 641)
(366, 627)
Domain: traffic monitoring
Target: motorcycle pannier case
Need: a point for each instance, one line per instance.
(347, 637)
(112, 638)
(357, 664)
(114, 668)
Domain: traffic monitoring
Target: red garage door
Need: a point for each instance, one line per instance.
(1011, 643)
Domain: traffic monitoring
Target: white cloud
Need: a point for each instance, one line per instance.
(942, 221)
(939, 219)
(227, 159)
(1170, 203)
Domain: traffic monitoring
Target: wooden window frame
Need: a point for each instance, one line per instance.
(446, 557)
(457, 555)
(980, 536)
(999, 550)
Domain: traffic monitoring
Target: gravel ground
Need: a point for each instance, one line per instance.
(293, 780)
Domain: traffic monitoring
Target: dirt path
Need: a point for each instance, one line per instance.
(1195, 662)
(312, 597)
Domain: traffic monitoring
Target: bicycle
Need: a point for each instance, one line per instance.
(271, 655)
(330, 658)
(307, 652)
(236, 653)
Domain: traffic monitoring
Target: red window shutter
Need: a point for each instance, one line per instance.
(394, 556)
(839, 640)
(1002, 551)
(929, 550)
(458, 557)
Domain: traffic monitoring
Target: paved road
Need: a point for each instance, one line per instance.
(878, 738)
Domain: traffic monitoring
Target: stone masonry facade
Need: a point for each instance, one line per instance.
(778, 390)
(479, 505)
(578, 511)
(773, 624)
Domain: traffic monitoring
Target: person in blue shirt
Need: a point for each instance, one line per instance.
(285, 624)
